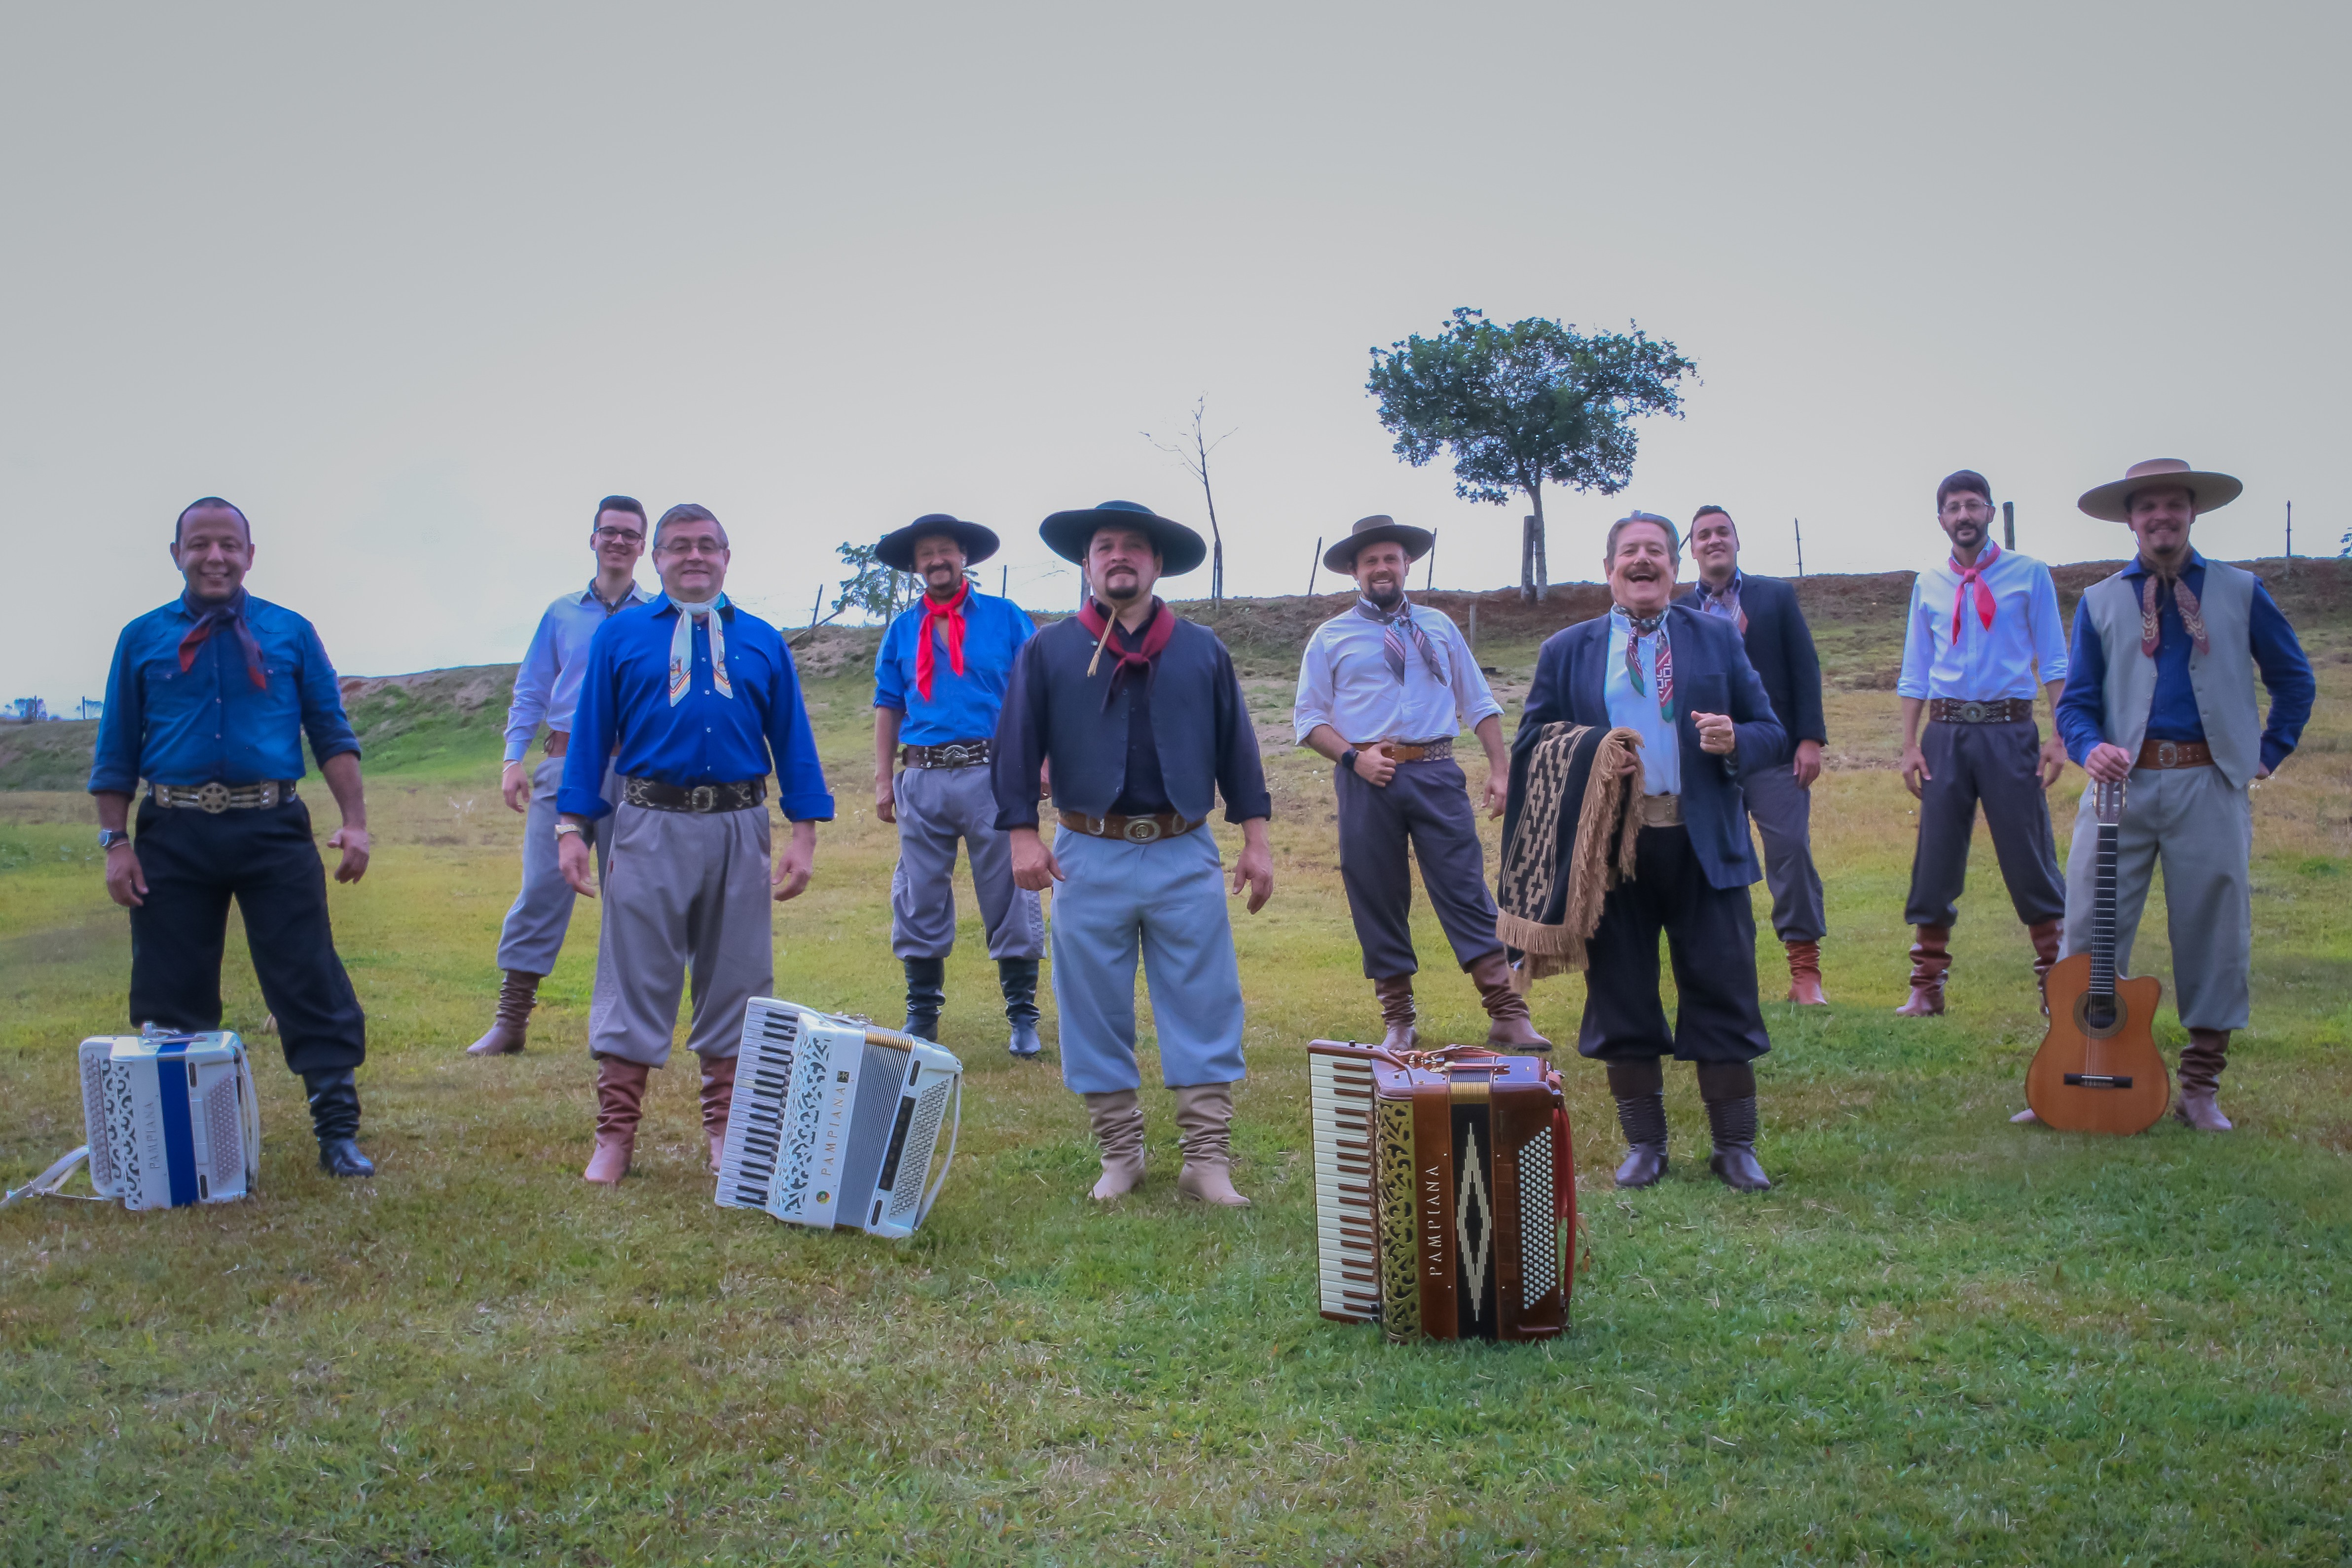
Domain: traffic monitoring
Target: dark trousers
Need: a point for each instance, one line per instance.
(1711, 938)
(194, 863)
(1427, 805)
(1782, 811)
(2000, 764)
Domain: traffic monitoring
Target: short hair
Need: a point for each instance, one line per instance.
(618, 503)
(1711, 512)
(688, 512)
(1966, 479)
(1673, 536)
(209, 503)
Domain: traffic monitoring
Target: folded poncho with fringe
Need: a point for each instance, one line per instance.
(1568, 838)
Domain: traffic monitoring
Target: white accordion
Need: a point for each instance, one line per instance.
(171, 1118)
(837, 1120)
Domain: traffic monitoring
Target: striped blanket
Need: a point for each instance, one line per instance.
(1568, 838)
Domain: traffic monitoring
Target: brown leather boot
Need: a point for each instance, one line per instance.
(620, 1097)
(516, 995)
(1205, 1119)
(2201, 1061)
(1397, 1012)
(2045, 956)
(718, 1099)
(1508, 1024)
(1931, 956)
(1117, 1122)
(1805, 975)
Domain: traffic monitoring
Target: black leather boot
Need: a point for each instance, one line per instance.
(334, 1098)
(1639, 1090)
(1729, 1091)
(927, 980)
(1018, 976)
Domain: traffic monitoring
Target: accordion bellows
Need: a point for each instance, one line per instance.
(171, 1119)
(1441, 1192)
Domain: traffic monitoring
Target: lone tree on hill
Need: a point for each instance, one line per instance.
(1523, 403)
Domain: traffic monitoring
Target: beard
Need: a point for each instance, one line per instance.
(1119, 587)
(1386, 598)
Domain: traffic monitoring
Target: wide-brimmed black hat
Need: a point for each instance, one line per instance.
(1378, 528)
(896, 549)
(1068, 534)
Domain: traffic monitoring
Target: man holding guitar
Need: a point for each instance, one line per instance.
(2161, 700)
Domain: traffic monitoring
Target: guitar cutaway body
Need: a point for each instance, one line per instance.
(2089, 1078)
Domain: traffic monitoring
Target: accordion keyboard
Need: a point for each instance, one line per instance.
(755, 1125)
(1340, 1105)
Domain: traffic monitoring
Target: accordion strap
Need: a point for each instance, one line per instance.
(954, 1127)
(46, 1185)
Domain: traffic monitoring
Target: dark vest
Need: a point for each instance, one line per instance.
(1087, 742)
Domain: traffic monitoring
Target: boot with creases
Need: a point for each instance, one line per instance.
(718, 1101)
(1398, 1015)
(1931, 956)
(2201, 1061)
(517, 993)
(1205, 1127)
(1638, 1087)
(2045, 956)
(927, 981)
(1805, 975)
(620, 1098)
(1117, 1122)
(1728, 1091)
(334, 1096)
(1510, 1026)
(1017, 977)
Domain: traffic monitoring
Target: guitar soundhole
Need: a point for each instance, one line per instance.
(2099, 1017)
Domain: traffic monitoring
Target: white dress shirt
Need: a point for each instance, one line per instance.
(1662, 750)
(2022, 652)
(1345, 682)
(547, 685)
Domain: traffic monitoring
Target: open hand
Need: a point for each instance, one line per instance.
(126, 884)
(794, 868)
(572, 857)
(2054, 759)
(1498, 791)
(1914, 771)
(1254, 869)
(885, 800)
(354, 842)
(515, 785)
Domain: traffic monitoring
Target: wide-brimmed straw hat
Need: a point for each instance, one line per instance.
(896, 549)
(2208, 492)
(1378, 528)
(1068, 534)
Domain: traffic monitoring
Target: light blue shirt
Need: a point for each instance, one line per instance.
(2020, 652)
(547, 686)
(1344, 681)
(1662, 750)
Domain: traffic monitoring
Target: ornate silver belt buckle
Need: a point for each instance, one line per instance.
(1972, 712)
(2168, 753)
(702, 798)
(1141, 830)
(212, 798)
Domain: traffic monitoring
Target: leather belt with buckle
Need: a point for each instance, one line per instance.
(1662, 810)
(216, 797)
(739, 796)
(2174, 754)
(954, 754)
(2001, 710)
(1134, 830)
(1436, 750)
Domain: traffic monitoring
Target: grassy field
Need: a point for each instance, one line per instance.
(1941, 1339)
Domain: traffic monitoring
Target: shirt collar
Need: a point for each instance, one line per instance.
(636, 594)
(662, 606)
(2139, 566)
(1738, 578)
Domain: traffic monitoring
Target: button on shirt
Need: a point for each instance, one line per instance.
(2022, 651)
(706, 738)
(547, 686)
(1345, 682)
(209, 723)
(1662, 750)
(960, 707)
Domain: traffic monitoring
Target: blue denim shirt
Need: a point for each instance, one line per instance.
(209, 722)
(960, 707)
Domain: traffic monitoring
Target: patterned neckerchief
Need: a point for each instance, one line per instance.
(1638, 629)
(1395, 626)
(2184, 599)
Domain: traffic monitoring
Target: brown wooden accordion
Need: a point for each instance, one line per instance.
(1444, 1187)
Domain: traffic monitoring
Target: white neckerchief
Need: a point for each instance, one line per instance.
(681, 649)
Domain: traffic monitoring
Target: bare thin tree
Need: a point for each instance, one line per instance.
(1194, 451)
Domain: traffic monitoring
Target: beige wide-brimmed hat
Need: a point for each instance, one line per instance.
(2210, 492)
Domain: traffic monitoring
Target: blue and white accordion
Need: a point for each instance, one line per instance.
(171, 1118)
(837, 1120)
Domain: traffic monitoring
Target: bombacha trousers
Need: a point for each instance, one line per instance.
(688, 896)
(1427, 805)
(2001, 766)
(535, 926)
(937, 806)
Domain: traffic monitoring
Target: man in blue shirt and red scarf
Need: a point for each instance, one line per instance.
(208, 701)
(938, 686)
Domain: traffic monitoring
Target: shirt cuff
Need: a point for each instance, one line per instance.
(584, 803)
(807, 807)
(2276, 752)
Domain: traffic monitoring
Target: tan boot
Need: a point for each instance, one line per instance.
(718, 1099)
(2201, 1061)
(620, 1097)
(1805, 975)
(1204, 1119)
(1931, 956)
(516, 995)
(1117, 1122)
(1508, 1025)
(2045, 956)
(1397, 1012)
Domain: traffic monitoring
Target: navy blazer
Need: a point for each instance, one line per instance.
(1711, 675)
(1780, 646)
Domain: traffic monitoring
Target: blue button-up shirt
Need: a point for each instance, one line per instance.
(960, 707)
(2022, 651)
(2172, 710)
(1661, 749)
(706, 738)
(547, 685)
(209, 723)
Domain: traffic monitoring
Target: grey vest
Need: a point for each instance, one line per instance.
(2223, 679)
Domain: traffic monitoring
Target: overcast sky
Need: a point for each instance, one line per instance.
(414, 284)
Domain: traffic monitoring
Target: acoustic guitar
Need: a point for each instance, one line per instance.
(2098, 1070)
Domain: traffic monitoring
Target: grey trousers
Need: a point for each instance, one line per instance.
(2203, 832)
(1427, 805)
(687, 894)
(1783, 814)
(533, 933)
(1997, 764)
(936, 806)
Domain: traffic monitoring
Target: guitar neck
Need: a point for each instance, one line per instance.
(2103, 916)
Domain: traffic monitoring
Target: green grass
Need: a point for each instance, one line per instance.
(1941, 1339)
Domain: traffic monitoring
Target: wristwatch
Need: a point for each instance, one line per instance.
(1347, 760)
(563, 827)
(110, 837)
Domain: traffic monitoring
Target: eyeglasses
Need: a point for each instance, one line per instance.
(619, 536)
(1968, 508)
(693, 547)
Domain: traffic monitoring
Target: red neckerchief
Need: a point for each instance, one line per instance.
(211, 619)
(1156, 634)
(951, 611)
(1974, 576)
